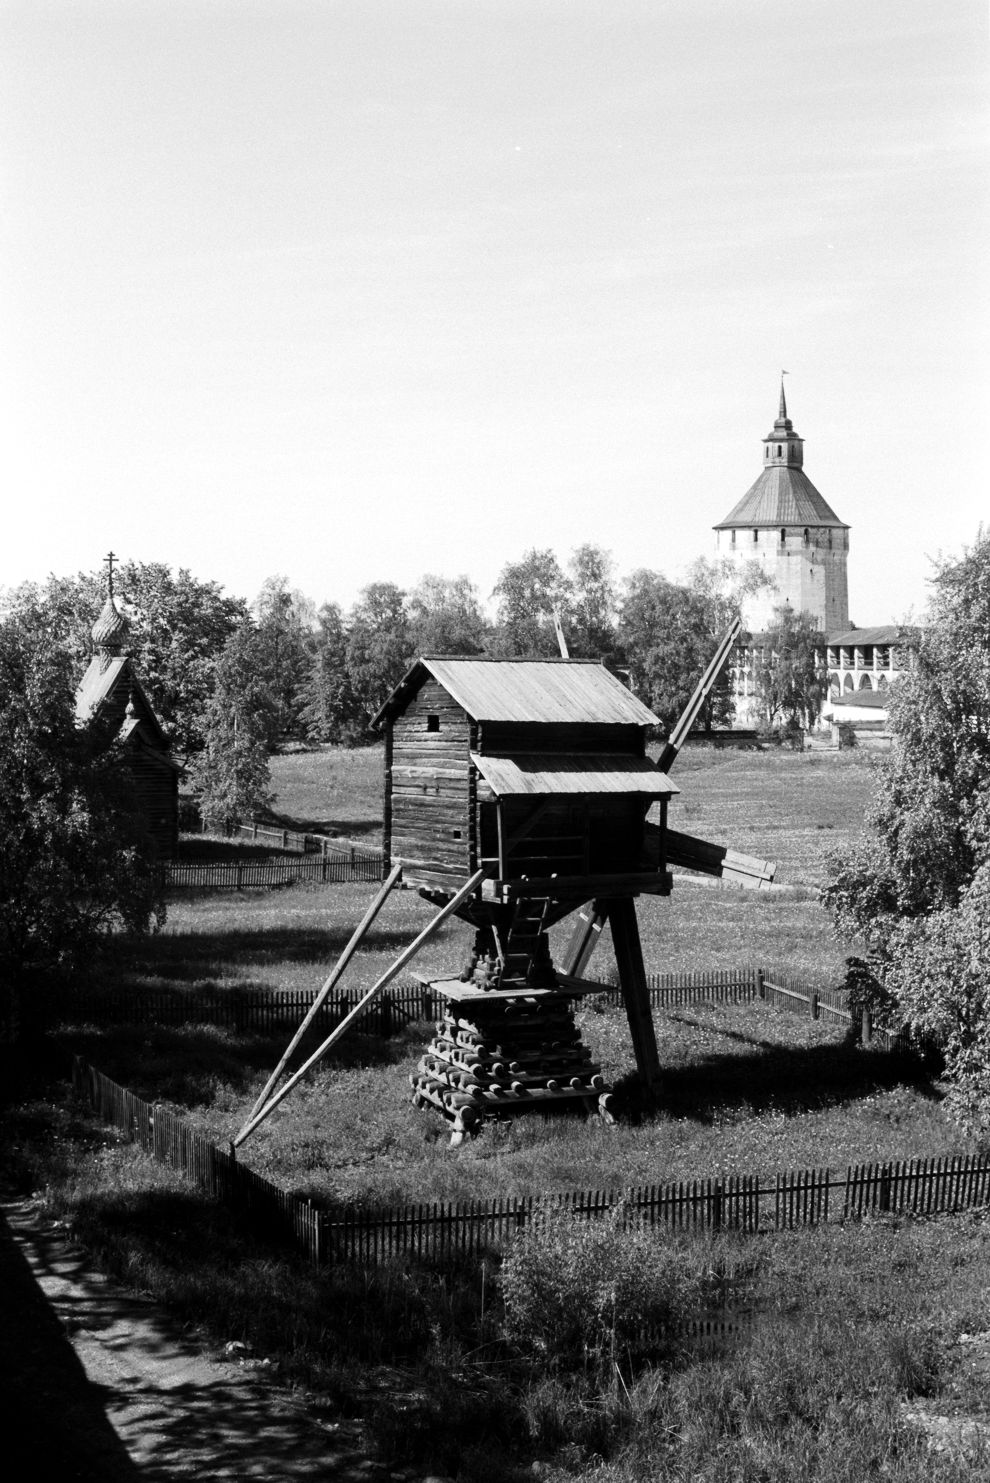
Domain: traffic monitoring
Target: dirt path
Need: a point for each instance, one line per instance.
(102, 1385)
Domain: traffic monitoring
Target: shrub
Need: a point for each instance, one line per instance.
(576, 1291)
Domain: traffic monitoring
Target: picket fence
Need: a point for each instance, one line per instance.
(263, 1010)
(447, 1231)
(239, 1009)
(330, 867)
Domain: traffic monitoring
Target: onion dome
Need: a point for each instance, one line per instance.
(111, 628)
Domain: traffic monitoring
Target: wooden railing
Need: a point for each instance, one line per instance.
(748, 1203)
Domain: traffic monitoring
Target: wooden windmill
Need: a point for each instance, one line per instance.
(516, 793)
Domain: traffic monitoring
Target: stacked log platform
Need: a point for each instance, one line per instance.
(499, 1052)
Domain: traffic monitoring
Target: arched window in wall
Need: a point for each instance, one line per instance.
(807, 536)
(865, 683)
(783, 535)
(756, 535)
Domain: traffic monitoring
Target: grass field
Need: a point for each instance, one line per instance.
(849, 1324)
(748, 1089)
(331, 790)
(777, 804)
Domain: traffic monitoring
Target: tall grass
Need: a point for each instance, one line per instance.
(838, 1328)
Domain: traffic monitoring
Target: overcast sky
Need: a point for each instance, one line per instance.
(355, 290)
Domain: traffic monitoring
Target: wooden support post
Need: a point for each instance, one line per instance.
(635, 991)
(584, 938)
(330, 982)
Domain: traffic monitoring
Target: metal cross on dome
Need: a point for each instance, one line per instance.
(110, 558)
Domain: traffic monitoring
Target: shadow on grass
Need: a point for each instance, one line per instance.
(55, 1413)
(194, 849)
(177, 1413)
(188, 1064)
(193, 956)
(369, 830)
(786, 1078)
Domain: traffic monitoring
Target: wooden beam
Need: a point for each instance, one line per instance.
(579, 887)
(528, 824)
(635, 991)
(406, 956)
(584, 939)
(703, 689)
(331, 981)
(717, 859)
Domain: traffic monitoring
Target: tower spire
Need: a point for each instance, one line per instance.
(782, 414)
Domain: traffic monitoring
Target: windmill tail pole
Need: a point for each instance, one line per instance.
(704, 688)
(405, 957)
(330, 983)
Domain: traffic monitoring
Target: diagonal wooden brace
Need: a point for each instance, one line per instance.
(331, 982)
(405, 957)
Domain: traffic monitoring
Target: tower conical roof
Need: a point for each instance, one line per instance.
(783, 494)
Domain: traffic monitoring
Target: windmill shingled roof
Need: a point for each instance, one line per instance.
(544, 690)
(782, 495)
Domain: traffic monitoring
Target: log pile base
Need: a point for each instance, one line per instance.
(500, 1053)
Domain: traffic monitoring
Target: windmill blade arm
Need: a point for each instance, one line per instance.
(704, 688)
(688, 853)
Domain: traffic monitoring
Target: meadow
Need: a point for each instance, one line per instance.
(779, 805)
(747, 1089)
(476, 1370)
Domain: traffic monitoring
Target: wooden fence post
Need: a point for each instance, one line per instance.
(867, 1027)
(761, 989)
(813, 1004)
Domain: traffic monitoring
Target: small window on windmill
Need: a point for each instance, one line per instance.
(433, 723)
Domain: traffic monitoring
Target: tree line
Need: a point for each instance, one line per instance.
(230, 680)
(914, 889)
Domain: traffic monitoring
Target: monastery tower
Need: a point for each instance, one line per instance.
(783, 523)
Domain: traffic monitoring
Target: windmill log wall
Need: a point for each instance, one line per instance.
(430, 792)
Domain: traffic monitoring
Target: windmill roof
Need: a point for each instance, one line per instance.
(539, 773)
(545, 690)
(782, 495)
